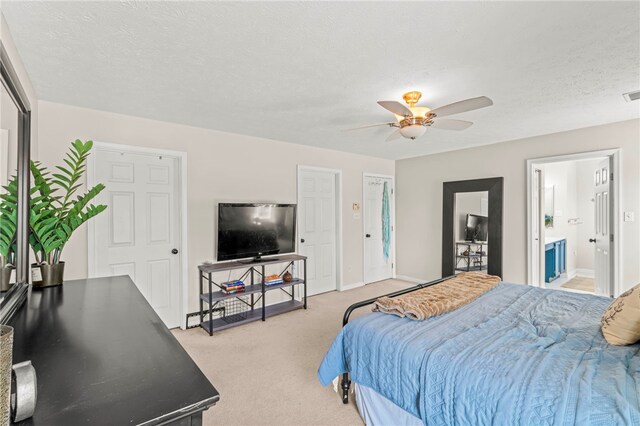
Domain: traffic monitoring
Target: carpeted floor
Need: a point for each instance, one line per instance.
(266, 372)
(581, 283)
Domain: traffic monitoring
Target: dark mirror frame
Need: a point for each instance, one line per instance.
(495, 188)
(18, 293)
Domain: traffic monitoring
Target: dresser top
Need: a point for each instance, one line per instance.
(103, 356)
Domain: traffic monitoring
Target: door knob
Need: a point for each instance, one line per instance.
(174, 251)
(368, 235)
(592, 240)
(302, 240)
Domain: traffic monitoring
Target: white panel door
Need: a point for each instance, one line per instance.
(317, 228)
(378, 241)
(537, 219)
(139, 235)
(603, 219)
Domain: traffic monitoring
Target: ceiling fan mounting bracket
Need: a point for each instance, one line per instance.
(412, 98)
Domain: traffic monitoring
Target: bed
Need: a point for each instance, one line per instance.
(517, 355)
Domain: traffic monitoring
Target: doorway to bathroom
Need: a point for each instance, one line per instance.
(573, 221)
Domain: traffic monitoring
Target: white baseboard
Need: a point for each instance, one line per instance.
(351, 286)
(585, 273)
(571, 274)
(411, 279)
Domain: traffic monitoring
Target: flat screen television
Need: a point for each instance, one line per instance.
(477, 228)
(249, 231)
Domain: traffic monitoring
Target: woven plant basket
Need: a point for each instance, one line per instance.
(6, 349)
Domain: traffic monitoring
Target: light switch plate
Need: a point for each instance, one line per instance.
(629, 217)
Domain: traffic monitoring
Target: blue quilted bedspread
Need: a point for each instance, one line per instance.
(518, 355)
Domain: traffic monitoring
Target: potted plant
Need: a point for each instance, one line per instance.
(8, 226)
(55, 213)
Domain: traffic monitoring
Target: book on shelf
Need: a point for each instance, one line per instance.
(239, 290)
(234, 283)
(273, 280)
(230, 287)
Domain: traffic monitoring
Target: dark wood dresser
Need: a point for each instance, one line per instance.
(103, 357)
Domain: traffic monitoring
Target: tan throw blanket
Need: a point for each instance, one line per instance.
(439, 298)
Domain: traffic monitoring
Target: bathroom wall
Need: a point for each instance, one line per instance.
(562, 176)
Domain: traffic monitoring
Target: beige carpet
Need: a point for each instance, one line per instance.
(581, 283)
(266, 372)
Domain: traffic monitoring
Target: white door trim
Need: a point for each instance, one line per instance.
(339, 241)
(181, 158)
(393, 222)
(617, 189)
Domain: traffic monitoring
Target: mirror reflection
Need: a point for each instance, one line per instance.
(8, 214)
(549, 206)
(471, 231)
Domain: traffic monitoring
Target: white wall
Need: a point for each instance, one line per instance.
(25, 81)
(419, 195)
(221, 166)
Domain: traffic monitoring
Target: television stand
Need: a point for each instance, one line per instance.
(240, 308)
(471, 256)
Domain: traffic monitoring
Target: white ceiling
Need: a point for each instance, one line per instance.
(303, 72)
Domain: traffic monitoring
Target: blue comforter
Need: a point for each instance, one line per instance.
(518, 355)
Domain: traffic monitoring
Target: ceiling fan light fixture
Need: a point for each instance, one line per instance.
(413, 131)
(412, 121)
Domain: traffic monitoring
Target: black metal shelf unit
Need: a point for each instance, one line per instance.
(240, 308)
(475, 258)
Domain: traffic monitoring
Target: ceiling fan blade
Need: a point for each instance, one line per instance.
(369, 126)
(393, 136)
(396, 108)
(463, 106)
(450, 124)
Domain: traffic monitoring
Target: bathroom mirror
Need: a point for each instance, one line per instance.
(549, 206)
(15, 137)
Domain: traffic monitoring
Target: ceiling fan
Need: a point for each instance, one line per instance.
(412, 121)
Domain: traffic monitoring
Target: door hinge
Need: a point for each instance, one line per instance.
(392, 265)
(611, 237)
(611, 178)
(392, 228)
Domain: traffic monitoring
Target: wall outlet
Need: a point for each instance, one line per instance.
(629, 217)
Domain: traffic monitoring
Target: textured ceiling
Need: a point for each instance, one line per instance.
(303, 72)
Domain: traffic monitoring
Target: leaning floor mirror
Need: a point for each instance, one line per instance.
(472, 226)
(15, 124)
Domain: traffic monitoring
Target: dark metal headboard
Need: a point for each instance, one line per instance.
(357, 305)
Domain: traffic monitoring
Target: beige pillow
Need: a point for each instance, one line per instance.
(621, 321)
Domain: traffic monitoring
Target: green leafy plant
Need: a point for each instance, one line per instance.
(55, 211)
(8, 222)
